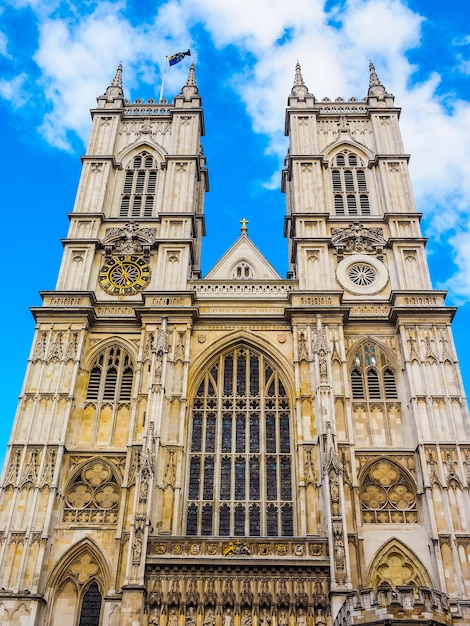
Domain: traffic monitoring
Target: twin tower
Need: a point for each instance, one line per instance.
(240, 449)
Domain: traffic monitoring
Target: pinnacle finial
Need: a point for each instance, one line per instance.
(117, 80)
(299, 88)
(374, 79)
(190, 89)
(115, 91)
(376, 89)
(244, 228)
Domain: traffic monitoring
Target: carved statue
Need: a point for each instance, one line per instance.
(173, 619)
(265, 620)
(209, 619)
(191, 617)
(246, 618)
(301, 618)
(227, 619)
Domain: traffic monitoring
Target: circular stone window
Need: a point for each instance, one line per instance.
(362, 275)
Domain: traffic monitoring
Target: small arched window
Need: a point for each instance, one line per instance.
(111, 376)
(372, 375)
(91, 606)
(138, 194)
(349, 184)
(388, 496)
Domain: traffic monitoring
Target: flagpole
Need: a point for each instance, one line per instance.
(163, 80)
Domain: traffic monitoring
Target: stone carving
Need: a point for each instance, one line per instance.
(301, 618)
(137, 542)
(72, 348)
(303, 350)
(246, 618)
(147, 464)
(413, 352)
(339, 553)
(309, 468)
(227, 619)
(179, 348)
(30, 472)
(84, 567)
(429, 355)
(320, 347)
(173, 618)
(358, 239)
(40, 349)
(154, 616)
(129, 240)
(209, 618)
(236, 549)
(56, 351)
(13, 469)
(190, 617)
(445, 353)
(48, 473)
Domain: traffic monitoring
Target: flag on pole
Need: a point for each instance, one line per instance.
(179, 56)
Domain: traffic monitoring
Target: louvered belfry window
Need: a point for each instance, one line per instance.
(240, 468)
(138, 195)
(111, 376)
(349, 185)
(372, 376)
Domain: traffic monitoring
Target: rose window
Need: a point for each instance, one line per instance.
(93, 496)
(362, 275)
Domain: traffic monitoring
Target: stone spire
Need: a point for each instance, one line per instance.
(299, 88)
(115, 88)
(376, 89)
(190, 89)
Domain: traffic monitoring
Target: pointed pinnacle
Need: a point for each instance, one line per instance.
(117, 80)
(190, 89)
(374, 79)
(299, 88)
(298, 79)
(191, 80)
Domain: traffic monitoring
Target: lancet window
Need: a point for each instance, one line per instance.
(372, 375)
(351, 196)
(111, 376)
(388, 496)
(138, 196)
(240, 471)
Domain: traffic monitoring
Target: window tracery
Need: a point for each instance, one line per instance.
(111, 376)
(240, 472)
(92, 497)
(348, 176)
(243, 270)
(387, 495)
(372, 376)
(138, 195)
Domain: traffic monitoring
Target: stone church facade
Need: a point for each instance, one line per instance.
(240, 449)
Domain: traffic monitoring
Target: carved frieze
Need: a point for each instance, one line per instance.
(358, 239)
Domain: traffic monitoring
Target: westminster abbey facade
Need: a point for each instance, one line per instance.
(240, 449)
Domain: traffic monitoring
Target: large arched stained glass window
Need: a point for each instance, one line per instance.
(240, 469)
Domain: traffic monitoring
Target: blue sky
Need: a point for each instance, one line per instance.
(56, 57)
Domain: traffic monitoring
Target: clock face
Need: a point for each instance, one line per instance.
(124, 275)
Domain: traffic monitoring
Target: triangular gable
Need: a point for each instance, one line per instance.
(242, 261)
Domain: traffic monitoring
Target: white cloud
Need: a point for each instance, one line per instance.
(14, 90)
(3, 44)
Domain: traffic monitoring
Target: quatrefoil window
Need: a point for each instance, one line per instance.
(93, 496)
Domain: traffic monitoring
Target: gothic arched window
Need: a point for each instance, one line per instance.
(349, 185)
(240, 470)
(111, 376)
(91, 606)
(138, 195)
(372, 376)
(388, 496)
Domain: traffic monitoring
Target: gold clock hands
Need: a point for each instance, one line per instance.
(125, 275)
